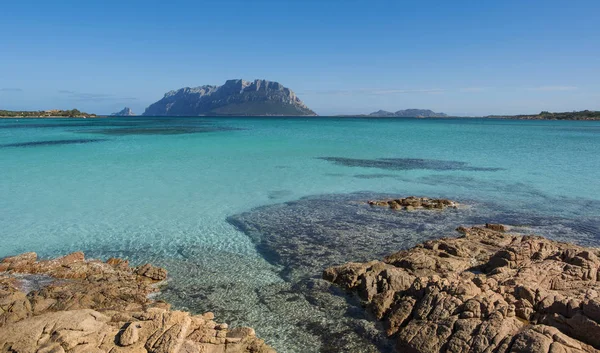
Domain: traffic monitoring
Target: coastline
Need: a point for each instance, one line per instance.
(141, 227)
(309, 116)
(485, 290)
(70, 304)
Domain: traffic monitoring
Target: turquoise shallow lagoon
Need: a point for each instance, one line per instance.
(178, 192)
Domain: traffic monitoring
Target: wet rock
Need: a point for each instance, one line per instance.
(412, 203)
(485, 291)
(496, 227)
(95, 306)
(152, 272)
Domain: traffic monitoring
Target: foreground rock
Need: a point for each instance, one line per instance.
(412, 203)
(487, 291)
(93, 306)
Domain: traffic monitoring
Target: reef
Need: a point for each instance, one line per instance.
(71, 304)
(485, 291)
(412, 203)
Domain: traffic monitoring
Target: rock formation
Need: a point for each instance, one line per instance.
(412, 203)
(235, 97)
(486, 291)
(90, 306)
(408, 113)
(125, 112)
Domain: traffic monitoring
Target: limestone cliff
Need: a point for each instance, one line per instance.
(234, 98)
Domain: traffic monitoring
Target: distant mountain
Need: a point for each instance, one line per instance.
(235, 97)
(409, 113)
(125, 112)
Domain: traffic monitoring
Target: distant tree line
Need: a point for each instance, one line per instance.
(73, 113)
(581, 115)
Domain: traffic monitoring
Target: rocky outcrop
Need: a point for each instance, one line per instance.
(93, 306)
(125, 112)
(412, 203)
(235, 97)
(408, 113)
(486, 291)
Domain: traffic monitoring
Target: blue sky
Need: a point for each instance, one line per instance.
(460, 57)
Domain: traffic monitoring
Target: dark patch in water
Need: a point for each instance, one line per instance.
(487, 185)
(166, 130)
(313, 233)
(108, 122)
(62, 125)
(374, 176)
(51, 143)
(278, 194)
(406, 164)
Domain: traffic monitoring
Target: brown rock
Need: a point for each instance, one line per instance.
(152, 272)
(496, 227)
(412, 203)
(487, 291)
(65, 316)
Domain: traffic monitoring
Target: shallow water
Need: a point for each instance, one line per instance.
(246, 212)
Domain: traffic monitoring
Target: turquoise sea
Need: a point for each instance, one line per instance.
(246, 212)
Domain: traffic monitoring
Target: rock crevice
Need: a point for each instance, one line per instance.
(92, 306)
(486, 291)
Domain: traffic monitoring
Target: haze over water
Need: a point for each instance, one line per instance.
(176, 192)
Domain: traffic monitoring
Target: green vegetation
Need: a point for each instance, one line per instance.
(73, 113)
(582, 115)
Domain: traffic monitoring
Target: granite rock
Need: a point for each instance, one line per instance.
(485, 291)
(94, 306)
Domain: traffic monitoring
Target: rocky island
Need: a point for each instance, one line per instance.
(234, 98)
(71, 304)
(408, 113)
(486, 291)
(125, 112)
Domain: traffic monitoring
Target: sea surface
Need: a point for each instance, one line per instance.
(245, 213)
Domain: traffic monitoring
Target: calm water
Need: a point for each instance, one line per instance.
(178, 191)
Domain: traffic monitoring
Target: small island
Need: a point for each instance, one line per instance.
(125, 112)
(54, 113)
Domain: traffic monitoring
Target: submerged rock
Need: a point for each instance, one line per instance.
(487, 291)
(95, 306)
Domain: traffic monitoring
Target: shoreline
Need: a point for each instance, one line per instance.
(70, 304)
(486, 289)
(306, 116)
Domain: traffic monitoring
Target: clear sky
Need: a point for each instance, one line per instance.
(460, 57)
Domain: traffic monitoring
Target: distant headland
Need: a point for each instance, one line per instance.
(408, 113)
(238, 98)
(55, 113)
(581, 115)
